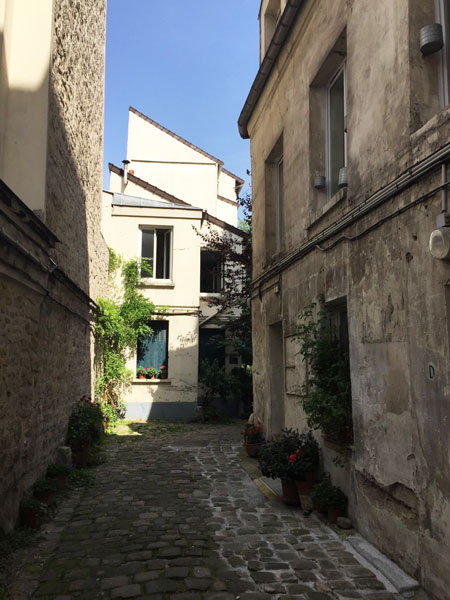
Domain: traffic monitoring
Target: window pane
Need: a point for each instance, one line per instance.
(153, 351)
(162, 254)
(280, 198)
(148, 236)
(336, 133)
(210, 272)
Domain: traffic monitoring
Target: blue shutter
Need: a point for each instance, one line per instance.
(153, 351)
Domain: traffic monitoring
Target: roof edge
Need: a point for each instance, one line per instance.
(175, 135)
(281, 34)
(224, 225)
(147, 186)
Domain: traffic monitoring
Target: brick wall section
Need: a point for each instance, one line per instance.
(45, 355)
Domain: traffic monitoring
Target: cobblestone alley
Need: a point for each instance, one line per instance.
(175, 516)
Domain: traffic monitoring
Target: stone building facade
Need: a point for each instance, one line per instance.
(53, 259)
(349, 125)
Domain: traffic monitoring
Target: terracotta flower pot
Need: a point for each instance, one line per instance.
(333, 514)
(31, 518)
(80, 455)
(305, 486)
(290, 494)
(141, 376)
(253, 449)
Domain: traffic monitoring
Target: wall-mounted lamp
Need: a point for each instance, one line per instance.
(439, 243)
(342, 181)
(320, 182)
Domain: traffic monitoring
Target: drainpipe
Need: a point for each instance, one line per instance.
(125, 171)
(444, 189)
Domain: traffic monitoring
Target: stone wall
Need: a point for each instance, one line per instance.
(397, 295)
(49, 273)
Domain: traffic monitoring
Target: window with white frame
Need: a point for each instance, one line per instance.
(274, 201)
(336, 129)
(443, 17)
(156, 250)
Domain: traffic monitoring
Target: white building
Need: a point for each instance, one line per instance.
(167, 191)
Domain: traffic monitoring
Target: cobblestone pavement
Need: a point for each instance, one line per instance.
(176, 517)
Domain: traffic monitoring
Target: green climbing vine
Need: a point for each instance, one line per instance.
(119, 326)
(326, 394)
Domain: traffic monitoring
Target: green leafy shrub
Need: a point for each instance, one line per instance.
(274, 455)
(326, 393)
(253, 433)
(85, 423)
(327, 496)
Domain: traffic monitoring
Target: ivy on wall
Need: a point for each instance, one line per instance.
(119, 326)
(326, 393)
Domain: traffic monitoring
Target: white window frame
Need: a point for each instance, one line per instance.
(443, 17)
(341, 70)
(155, 228)
(279, 204)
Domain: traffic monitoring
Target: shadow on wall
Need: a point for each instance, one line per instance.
(45, 359)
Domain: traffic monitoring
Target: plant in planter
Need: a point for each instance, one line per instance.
(253, 438)
(152, 372)
(45, 490)
(162, 372)
(32, 512)
(329, 498)
(85, 428)
(58, 471)
(326, 394)
(274, 462)
(141, 372)
(304, 463)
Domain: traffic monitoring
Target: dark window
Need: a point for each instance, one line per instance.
(156, 249)
(153, 351)
(210, 272)
(211, 346)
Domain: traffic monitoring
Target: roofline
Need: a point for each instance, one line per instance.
(174, 135)
(238, 179)
(147, 186)
(281, 34)
(224, 225)
(233, 202)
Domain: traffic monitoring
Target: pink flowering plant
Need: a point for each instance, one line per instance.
(253, 433)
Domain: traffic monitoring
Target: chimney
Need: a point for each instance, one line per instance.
(125, 171)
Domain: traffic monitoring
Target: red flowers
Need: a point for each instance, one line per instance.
(162, 366)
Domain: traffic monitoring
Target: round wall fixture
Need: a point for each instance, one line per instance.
(431, 38)
(439, 243)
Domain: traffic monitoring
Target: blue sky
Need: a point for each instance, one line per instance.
(187, 64)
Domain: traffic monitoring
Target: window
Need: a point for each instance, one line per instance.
(154, 350)
(336, 130)
(210, 271)
(275, 200)
(156, 249)
(328, 125)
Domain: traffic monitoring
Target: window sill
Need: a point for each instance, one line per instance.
(156, 283)
(332, 202)
(210, 294)
(152, 381)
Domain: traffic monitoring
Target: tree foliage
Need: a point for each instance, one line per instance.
(236, 258)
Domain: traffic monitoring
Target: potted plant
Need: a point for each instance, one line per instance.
(329, 498)
(152, 372)
(32, 512)
(45, 490)
(58, 471)
(85, 429)
(141, 372)
(163, 372)
(304, 463)
(274, 462)
(253, 438)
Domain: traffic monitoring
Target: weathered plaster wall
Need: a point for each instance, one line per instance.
(398, 478)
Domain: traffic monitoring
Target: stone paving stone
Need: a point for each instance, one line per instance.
(175, 517)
